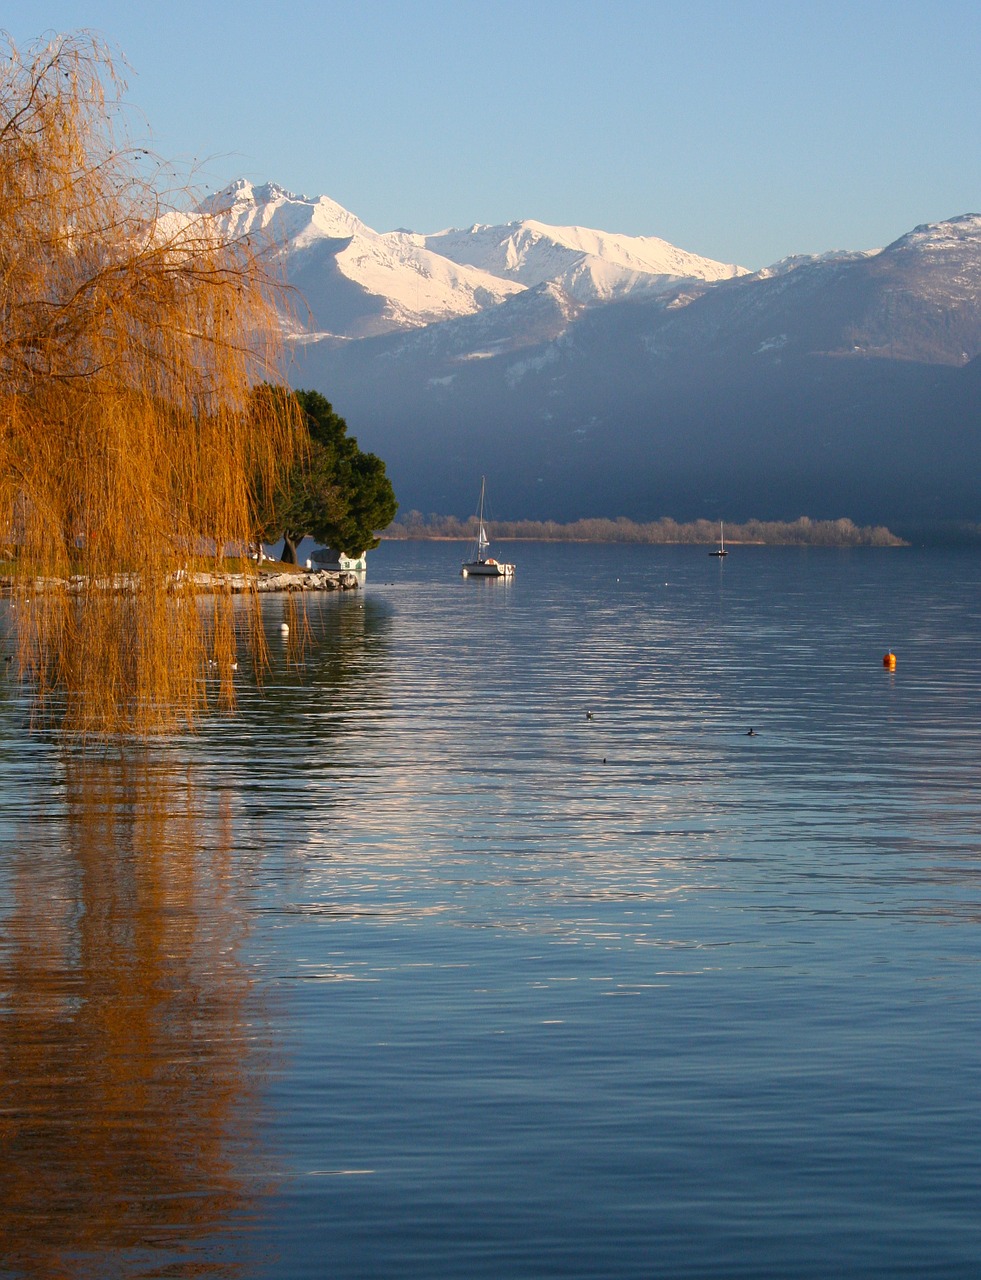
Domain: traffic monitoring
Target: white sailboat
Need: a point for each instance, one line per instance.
(480, 564)
(721, 551)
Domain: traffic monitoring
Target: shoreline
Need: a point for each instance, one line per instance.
(650, 542)
(304, 580)
(203, 582)
(665, 531)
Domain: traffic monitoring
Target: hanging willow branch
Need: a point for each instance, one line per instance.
(130, 337)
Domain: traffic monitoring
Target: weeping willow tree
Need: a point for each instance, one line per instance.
(130, 337)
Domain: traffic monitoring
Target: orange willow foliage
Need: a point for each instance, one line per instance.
(130, 337)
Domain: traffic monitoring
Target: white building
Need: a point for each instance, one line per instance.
(328, 558)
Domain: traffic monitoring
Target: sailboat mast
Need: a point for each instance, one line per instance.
(481, 535)
(480, 563)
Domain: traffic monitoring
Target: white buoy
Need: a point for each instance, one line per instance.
(284, 628)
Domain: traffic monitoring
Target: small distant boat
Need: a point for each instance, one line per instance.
(721, 550)
(480, 564)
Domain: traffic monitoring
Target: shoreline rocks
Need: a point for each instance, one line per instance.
(311, 580)
(227, 583)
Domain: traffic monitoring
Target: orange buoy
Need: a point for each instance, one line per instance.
(889, 661)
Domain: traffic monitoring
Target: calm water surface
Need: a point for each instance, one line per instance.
(415, 969)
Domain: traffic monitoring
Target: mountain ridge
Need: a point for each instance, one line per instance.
(841, 384)
(405, 279)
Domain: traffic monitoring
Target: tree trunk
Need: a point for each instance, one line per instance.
(290, 541)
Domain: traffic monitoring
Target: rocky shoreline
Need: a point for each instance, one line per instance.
(223, 583)
(311, 580)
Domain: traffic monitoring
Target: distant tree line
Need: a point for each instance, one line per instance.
(801, 532)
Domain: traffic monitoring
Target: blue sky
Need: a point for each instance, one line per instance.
(741, 131)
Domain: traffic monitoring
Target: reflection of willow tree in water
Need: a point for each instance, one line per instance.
(128, 1058)
(130, 1066)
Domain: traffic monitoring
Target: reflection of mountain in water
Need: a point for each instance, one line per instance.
(129, 1064)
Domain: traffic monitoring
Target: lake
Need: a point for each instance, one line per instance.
(485, 940)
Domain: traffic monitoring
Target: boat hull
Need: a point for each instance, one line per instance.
(487, 569)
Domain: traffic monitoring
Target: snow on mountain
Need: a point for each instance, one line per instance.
(915, 299)
(354, 280)
(591, 266)
(272, 210)
(918, 299)
(537, 315)
(954, 235)
(944, 259)
(796, 261)
(357, 282)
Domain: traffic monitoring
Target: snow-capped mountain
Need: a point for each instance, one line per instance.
(354, 281)
(841, 384)
(357, 282)
(591, 266)
(798, 260)
(587, 373)
(919, 299)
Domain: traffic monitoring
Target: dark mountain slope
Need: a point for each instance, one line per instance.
(841, 387)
